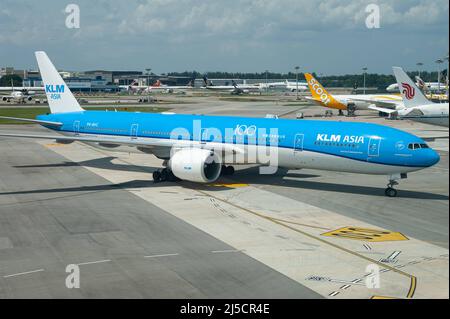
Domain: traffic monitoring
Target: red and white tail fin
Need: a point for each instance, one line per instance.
(411, 94)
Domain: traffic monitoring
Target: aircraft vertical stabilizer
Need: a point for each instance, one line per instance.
(411, 94)
(60, 98)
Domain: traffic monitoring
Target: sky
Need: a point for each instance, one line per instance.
(329, 37)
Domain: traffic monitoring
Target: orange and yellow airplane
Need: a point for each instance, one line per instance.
(321, 97)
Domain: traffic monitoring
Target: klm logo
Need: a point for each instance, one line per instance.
(54, 88)
(338, 138)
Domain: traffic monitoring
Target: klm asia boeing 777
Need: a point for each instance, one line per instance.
(197, 147)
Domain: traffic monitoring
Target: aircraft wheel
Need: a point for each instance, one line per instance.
(171, 177)
(229, 170)
(390, 192)
(156, 176)
(165, 175)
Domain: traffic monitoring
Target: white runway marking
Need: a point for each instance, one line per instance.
(94, 262)
(163, 255)
(24, 273)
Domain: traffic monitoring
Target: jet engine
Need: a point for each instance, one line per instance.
(196, 165)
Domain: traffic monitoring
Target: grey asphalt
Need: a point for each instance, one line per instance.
(63, 214)
(420, 211)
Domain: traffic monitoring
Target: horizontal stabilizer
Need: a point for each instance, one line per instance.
(32, 121)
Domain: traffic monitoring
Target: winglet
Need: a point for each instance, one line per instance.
(60, 98)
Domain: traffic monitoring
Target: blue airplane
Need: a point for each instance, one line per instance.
(200, 148)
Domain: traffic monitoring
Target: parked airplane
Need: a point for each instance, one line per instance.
(21, 94)
(292, 86)
(196, 147)
(431, 87)
(157, 87)
(234, 88)
(414, 105)
(344, 102)
(286, 85)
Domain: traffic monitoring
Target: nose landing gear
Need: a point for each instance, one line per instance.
(390, 191)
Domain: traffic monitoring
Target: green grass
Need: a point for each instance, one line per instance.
(31, 113)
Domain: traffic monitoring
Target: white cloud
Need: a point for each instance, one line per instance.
(221, 30)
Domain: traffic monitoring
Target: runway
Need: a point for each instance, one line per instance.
(249, 236)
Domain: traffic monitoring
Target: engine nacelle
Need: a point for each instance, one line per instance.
(4, 99)
(196, 165)
(29, 98)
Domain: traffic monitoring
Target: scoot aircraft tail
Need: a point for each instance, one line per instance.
(411, 94)
(320, 95)
(60, 98)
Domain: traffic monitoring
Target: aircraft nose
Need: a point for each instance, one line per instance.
(432, 158)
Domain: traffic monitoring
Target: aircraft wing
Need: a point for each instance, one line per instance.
(381, 109)
(31, 121)
(390, 104)
(20, 88)
(148, 144)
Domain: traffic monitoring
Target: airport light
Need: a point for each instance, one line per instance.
(419, 65)
(148, 84)
(267, 82)
(446, 80)
(364, 75)
(296, 79)
(439, 62)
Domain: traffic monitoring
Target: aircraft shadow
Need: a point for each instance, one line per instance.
(247, 175)
(252, 176)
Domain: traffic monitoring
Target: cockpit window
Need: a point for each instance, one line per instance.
(416, 146)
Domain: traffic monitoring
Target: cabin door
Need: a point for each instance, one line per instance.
(374, 147)
(298, 142)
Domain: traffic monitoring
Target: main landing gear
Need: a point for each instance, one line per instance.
(227, 170)
(164, 175)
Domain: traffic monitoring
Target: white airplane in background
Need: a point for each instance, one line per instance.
(292, 86)
(22, 94)
(156, 87)
(234, 88)
(414, 105)
(286, 85)
(431, 87)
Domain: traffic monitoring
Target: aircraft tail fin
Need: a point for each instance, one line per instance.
(320, 95)
(60, 98)
(411, 94)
